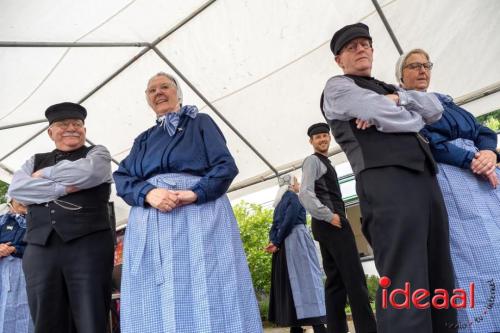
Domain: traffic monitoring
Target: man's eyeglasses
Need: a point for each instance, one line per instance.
(67, 123)
(417, 65)
(353, 46)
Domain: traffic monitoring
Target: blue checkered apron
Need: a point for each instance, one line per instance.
(185, 270)
(474, 216)
(14, 311)
(305, 274)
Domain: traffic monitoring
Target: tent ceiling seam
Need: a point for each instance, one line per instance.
(107, 20)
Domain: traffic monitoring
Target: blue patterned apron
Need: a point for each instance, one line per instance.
(185, 270)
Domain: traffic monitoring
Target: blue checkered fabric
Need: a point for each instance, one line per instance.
(305, 274)
(14, 311)
(474, 216)
(185, 271)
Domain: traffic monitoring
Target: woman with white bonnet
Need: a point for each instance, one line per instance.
(466, 154)
(297, 292)
(184, 268)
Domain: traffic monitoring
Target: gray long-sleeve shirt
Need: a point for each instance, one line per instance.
(84, 173)
(345, 100)
(312, 170)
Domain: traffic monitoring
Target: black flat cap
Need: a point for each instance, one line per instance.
(348, 33)
(65, 110)
(318, 128)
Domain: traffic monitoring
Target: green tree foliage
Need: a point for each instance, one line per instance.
(372, 284)
(491, 120)
(3, 191)
(493, 123)
(255, 222)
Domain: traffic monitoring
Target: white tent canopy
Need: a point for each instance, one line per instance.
(260, 65)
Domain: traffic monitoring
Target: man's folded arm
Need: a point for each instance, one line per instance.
(29, 190)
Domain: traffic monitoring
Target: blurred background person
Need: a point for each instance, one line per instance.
(297, 293)
(14, 310)
(466, 154)
(184, 268)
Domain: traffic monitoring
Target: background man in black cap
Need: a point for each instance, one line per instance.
(69, 257)
(320, 195)
(404, 217)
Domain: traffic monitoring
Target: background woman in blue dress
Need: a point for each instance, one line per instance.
(184, 269)
(14, 311)
(297, 296)
(466, 154)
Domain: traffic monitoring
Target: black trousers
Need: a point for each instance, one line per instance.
(69, 284)
(405, 221)
(344, 278)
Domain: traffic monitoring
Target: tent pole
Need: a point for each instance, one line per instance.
(285, 169)
(25, 142)
(387, 26)
(70, 44)
(23, 124)
(93, 144)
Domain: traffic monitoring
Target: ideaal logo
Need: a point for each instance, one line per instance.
(440, 300)
(419, 298)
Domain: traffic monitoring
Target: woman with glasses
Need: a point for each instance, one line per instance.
(184, 269)
(297, 293)
(14, 311)
(466, 154)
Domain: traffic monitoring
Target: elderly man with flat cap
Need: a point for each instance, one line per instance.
(321, 197)
(69, 257)
(404, 217)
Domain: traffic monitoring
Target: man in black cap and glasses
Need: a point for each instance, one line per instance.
(320, 195)
(69, 257)
(404, 217)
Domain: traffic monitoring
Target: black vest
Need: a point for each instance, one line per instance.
(327, 190)
(370, 148)
(65, 215)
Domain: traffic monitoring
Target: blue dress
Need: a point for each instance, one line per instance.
(473, 207)
(184, 270)
(14, 311)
